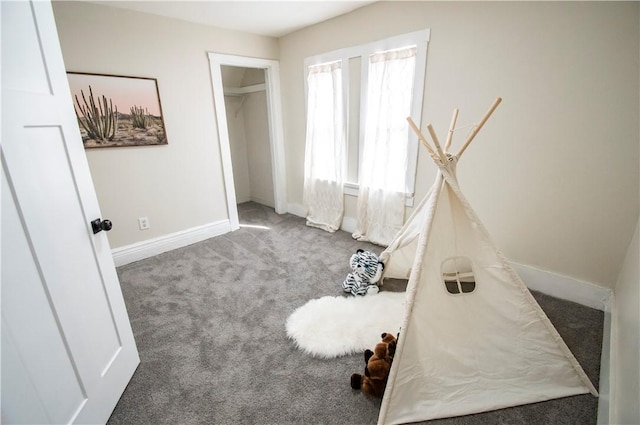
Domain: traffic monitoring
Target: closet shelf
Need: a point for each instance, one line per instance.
(241, 91)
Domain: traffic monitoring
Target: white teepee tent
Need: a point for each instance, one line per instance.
(473, 338)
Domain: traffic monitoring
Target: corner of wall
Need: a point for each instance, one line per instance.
(604, 398)
(624, 353)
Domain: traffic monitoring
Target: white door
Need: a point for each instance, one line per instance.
(67, 347)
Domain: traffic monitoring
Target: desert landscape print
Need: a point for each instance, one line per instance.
(117, 111)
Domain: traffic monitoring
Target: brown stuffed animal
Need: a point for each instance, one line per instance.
(376, 371)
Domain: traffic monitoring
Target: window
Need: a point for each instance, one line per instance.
(384, 158)
(325, 128)
(458, 276)
(325, 140)
(363, 68)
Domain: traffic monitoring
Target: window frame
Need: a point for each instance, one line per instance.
(420, 39)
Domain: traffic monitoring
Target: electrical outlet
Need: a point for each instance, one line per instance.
(143, 223)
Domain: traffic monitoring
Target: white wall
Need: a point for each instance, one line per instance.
(258, 148)
(625, 341)
(556, 167)
(178, 186)
(238, 147)
(232, 78)
(554, 173)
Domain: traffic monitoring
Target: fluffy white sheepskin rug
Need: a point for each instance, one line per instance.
(335, 326)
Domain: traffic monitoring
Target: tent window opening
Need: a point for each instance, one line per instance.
(458, 276)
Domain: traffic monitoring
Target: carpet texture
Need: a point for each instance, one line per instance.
(330, 327)
(209, 323)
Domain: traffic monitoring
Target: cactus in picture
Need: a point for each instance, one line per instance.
(140, 118)
(100, 120)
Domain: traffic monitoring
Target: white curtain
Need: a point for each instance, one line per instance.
(325, 147)
(384, 161)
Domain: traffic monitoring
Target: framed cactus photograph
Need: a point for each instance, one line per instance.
(117, 111)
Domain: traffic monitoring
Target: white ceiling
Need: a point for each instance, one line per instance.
(271, 18)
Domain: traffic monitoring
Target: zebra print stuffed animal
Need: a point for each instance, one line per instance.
(367, 270)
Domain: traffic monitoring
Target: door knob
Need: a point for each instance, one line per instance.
(98, 225)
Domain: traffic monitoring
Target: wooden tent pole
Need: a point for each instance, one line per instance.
(422, 138)
(451, 129)
(434, 137)
(479, 126)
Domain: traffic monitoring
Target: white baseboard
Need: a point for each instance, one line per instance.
(349, 224)
(297, 209)
(564, 287)
(262, 201)
(145, 249)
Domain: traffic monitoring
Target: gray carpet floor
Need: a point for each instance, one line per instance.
(209, 324)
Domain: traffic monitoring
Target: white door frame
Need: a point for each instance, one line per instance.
(276, 138)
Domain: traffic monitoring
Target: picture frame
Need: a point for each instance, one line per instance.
(116, 110)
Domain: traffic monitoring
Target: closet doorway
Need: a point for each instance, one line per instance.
(248, 114)
(245, 99)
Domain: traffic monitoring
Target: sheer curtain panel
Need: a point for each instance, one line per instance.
(384, 162)
(324, 165)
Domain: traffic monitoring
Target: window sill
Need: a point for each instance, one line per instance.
(351, 189)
